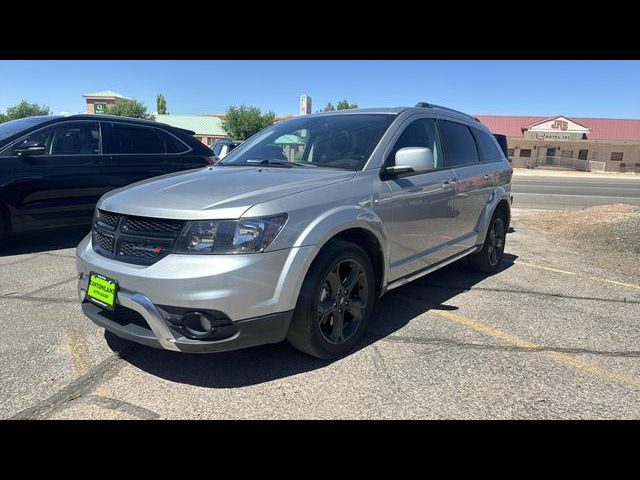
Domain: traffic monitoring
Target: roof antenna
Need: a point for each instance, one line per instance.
(423, 104)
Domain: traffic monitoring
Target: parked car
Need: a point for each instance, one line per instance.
(264, 246)
(222, 148)
(53, 169)
(504, 145)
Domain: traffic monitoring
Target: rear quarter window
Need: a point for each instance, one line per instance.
(489, 151)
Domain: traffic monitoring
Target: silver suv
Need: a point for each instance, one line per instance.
(296, 232)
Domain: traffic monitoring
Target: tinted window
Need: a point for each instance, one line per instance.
(132, 139)
(217, 149)
(68, 139)
(459, 145)
(420, 133)
(172, 144)
(487, 145)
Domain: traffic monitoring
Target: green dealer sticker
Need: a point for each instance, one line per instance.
(102, 291)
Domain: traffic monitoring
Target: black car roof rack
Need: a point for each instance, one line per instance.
(431, 105)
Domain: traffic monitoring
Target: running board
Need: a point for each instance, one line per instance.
(425, 271)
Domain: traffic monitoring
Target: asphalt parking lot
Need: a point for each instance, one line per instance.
(550, 336)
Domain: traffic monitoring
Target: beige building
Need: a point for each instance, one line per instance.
(597, 144)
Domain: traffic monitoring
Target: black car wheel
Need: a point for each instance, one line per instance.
(488, 259)
(335, 302)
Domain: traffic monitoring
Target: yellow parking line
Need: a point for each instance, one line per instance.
(570, 360)
(615, 282)
(520, 262)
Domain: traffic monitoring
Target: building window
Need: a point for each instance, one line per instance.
(566, 153)
(583, 154)
(525, 152)
(210, 141)
(594, 155)
(616, 156)
(510, 150)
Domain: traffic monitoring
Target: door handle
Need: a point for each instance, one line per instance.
(487, 176)
(448, 184)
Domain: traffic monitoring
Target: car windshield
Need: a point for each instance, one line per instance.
(342, 141)
(15, 126)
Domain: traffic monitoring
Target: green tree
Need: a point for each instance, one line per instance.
(240, 122)
(329, 108)
(24, 109)
(129, 108)
(344, 105)
(161, 104)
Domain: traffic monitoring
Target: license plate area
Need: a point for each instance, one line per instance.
(102, 291)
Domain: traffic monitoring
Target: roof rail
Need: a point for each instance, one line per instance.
(431, 105)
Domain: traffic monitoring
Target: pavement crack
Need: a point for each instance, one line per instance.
(505, 348)
(122, 406)
(74, 390)
(57, 284)
(26, 298)
(528, 292)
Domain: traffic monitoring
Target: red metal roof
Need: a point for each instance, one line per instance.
(617, 129)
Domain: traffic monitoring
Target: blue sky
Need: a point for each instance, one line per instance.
(572, 88)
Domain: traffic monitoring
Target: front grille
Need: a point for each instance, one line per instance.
(103, 241)
(108, 219)
(138, 240)
(152, 225)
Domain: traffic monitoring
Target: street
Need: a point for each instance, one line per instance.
(552, 335)
(573, 191)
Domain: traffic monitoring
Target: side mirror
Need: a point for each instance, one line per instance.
(30, 148)
(412, 160)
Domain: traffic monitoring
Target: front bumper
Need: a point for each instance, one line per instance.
(254, 293)
(156, 332)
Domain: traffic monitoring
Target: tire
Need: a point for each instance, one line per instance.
(330, 319)
(489, 258)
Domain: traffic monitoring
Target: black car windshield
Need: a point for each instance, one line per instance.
(16, 126)
(342, 141)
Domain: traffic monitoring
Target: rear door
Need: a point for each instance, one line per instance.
(473, 188)
(136, 152)
(60, 186)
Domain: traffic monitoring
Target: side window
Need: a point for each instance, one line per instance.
(76, 139)
(172, 144)
(134, 139)
(67, 139)
(217, 149)
(459, 145)
(488, 149)
(419, 133)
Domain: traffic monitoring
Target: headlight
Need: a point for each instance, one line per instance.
(229, 236)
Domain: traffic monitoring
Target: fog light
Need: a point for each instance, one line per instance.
(197, 325)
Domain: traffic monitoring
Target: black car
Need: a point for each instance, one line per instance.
(53, 169)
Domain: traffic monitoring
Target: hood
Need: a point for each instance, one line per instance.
(215, 192)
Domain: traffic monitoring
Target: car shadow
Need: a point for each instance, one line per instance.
(265, 363)
(43, 241)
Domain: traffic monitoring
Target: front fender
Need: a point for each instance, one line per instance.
(332, 222)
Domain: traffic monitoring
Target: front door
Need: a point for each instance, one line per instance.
(61, 185)
(420, 206)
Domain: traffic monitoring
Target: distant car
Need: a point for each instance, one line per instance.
(502, 141)
(222, 148)
(53, 169)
